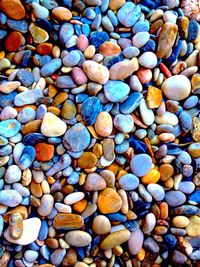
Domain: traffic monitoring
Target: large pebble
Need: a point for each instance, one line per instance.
(103, 124)
(31, 228)
(116, 91)
(64, 221)
(147, 114)
(9, 87)
(115, 239)
(13, 174)
(50, 67)
(52, 125)
(135, 241)
(78, 238)
(94, 182)
(128, 14)
(9, 128)
(141, 164)
(177, 87)
(96, 72)
(27, 97)
(149, 224)
(109, 201)
(46, 205)
(77, 138)
(148, 60)
(175, 198)
(123, 69)
(124, 123)
(10, 198)
(156, 191)
(129, 182)
(101, 225)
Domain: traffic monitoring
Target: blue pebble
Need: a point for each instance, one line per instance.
(3, 18)
(86, 29)
(9, 128)
(120, 160)
(175, 52)
(45, 252)
(193, 30)
(194, 198)
(89, 13)
(191, 102)
(50, 67)
(173, 149)
(96, 22)
(43, 233)
(131, 103)
(45, 24)
(3, 34)
(170, 241)
(5, 150)
(112, 17)
(81, 97)
(118, 217)
(67, 3)
(66, 32)
(131, 225)
(27, 157)
(111, 60)
(18, 25)
(43, 60)
(26, 58)
(26, 115)
(41, 111)
(33, 246)
(54, 140)
(97, 10)
(150, 46)
(129, 14)
(25, 77)
(104, 5)
(185, 121)
(49, 4)
(78, 30)
(108, 107)
(98, 38)
(90, 109)
(190, 48)
(122, 148)
(139, 146)
(73, 178)
(32, 139)
(141, 26)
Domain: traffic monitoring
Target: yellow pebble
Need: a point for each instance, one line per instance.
(151, 177)
(141, 255)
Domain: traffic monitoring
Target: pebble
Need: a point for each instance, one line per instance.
(115, 239)
(13, 174)
(140, 39)
(10, 198)
(101, 225)
(129, 182)
(192, 228)
(135, 242)
(148, 60)
(64, 221)
(141, 164)
(109, 201)
(30, 233)
(124, 123)
(149, 224)
(116, 91)
(128, 14)
(96, 72)
(50, 67)
(94, 182)
(103, 125)
(175, 198)
(9, 128)
(78, 238)
(77, 138)
(123, 69)
(52, 125)
(179, 92)
(46, 205)
(156, 191)
(180, 221)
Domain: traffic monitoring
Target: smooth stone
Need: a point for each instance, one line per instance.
(149, 224)
(109, 201)
(19, 25)
(96, 72)
(131, 103)
(63, 162)
(135, 242)
(123, 69)
(166, 39)
(116, 91)
(146, 113)
(27, 97)
(140, 39)
(25, 77)
(27, 157)
(87, 160)
(65, 82)
(104, 125)
(101, 225)
(94, 182)
(78, 238)
(180, 221)
(128, 182)
(98, 38)
(31, 228)
(141, 26)
(186, 187)
(131, 51)
(193, 228)
(175, 198)
(64, 221)
(148, 60)
(46, 205)
(39, 35)
(124, 123)
(193, 30)
(8, 87)
(77, 138)
(30, 255)
(177, 87)
(52, 125)
(90, 109)
(8, 113)
(73, 198)
(61, 13)
(13, 9)
(194, 198)
(10, 198)
(79, 76)
(39, 11)
(190, 102)
(9, 128)
(185, 158)
(66, 32)
(51, 67)
(167, 118)
(178, 258)
(194, 150)
(13, 174)
(115, 239)
(141, 164)
(129, 14)
(71, 59)
(57, 256)
(156, 191)
(151, 245)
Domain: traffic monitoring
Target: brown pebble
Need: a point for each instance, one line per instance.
(16, 225)
(64, 221)
(13, 9)
(109, 201)
(70, 258)
(13, 41)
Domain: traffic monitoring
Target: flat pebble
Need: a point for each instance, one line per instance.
(129, 182)
(175, 198)
(135, 242)
(141, 164)
(78, 238)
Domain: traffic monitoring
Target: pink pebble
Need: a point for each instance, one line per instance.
(79, 76)
(82, 42)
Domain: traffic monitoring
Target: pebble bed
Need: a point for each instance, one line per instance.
(99, 133)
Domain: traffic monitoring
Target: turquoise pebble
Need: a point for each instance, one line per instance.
(141, 26)
(116, 91)
(26, 115)
(128, 14)
(66, 32)
(50, 67)
(27, 157)
(9, 128)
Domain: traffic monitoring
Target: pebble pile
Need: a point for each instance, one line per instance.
(99, 133)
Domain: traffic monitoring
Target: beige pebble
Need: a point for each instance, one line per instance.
(180, 221)
(101, 225)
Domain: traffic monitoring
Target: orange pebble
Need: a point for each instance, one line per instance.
(113, 168)
(44, 152)
(144, 75)
(13, 41)
(44, 49)
(151, 177)
(109, 48)
(165, 70)
(80, 206)
(141, 255)
(154, 97)
(13, 9)
(163, 210)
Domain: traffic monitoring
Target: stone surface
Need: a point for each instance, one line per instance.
(109, 201)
